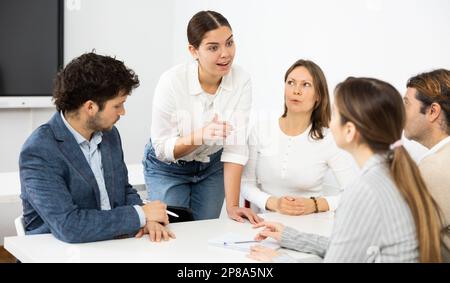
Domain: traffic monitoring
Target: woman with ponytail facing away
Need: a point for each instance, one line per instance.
(387, 213)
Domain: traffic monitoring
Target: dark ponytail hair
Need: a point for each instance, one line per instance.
(203, 22)
(376, 108)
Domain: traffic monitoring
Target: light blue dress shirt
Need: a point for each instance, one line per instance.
(94, 158)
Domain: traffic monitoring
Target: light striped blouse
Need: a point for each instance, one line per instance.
(373, 223)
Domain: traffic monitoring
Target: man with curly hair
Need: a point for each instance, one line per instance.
(74, 181)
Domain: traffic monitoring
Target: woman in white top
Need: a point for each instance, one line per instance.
(290, 155)
(199, 120)
(387, 214)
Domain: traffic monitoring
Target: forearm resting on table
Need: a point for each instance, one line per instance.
(322, 205)
(272, 204)
(232, 182)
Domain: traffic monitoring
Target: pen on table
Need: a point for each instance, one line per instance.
(240, 242)
(167, 211)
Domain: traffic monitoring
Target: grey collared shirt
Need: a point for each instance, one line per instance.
(93, 157)
(373, 223)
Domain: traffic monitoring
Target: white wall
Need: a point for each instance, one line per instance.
(388, 39)
(138, 32)
(15, 127)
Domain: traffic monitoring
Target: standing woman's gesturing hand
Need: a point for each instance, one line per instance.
(215, 131)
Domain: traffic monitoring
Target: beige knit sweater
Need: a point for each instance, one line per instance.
(435, 169)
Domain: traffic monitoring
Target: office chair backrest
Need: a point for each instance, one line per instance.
(20, 226)
(184, 213)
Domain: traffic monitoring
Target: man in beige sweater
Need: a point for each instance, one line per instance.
(427, 104)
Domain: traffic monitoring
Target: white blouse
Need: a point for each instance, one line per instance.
(181, 106)
(281, 165)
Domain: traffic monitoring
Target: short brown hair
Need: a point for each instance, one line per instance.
(203, 22)
(433, 87)
(91, 77)
(321, 115)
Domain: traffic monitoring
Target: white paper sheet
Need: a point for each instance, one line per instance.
(228, 241)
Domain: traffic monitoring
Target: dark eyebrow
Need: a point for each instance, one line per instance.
(210, 43)
(306, 81)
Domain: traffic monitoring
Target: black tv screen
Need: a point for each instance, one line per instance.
(31, 46)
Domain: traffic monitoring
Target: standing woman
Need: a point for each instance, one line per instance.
(200, 113)
(387, 213)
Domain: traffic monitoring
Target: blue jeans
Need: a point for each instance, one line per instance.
(192, 184)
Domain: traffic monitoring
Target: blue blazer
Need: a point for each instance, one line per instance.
(59, 191)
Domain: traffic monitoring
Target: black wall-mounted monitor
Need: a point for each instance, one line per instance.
(31, 46)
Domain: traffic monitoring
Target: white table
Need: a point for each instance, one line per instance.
(191, 244)
(11, 204)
